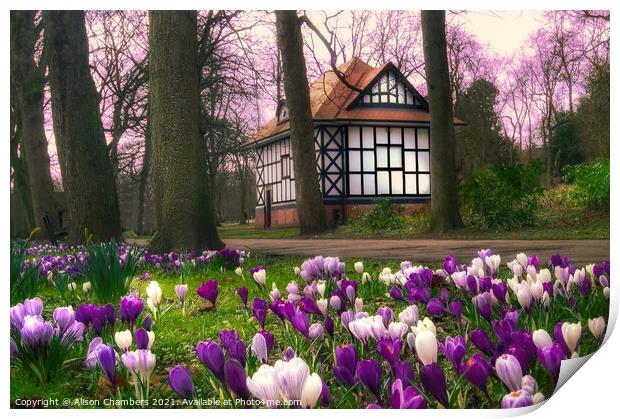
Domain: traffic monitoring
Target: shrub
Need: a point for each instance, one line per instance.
(503, 196)
(592, 188)
(109, 270)
(386, 215)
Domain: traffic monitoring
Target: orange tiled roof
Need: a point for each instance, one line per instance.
(330, 99)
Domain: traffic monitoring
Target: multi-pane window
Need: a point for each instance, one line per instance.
(388, 161)
(274, 171)
(391, 89)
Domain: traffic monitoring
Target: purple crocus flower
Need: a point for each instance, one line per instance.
(368, 371)
(269, 339)
(434, 382)
(131, 307)
(238, 351)
(181, 291)
(389, 350)
(325, 396)
(386, 314)
(180, 381)
(436, 307)
(454, 349)
(234, 374)
(212, 356)
(106, 359)
(481, 340)
(35, 332)
(277, 307)
(148, 323)
(242, 292)
(456, 309)
(519, 398)
(259, 311)
(406, 398)
(508, 369)
(396, 293)
(477, 371)
(209, 291)
(533, 261)
(33, 306)
(450, 265)
(308, 305)
(227, 337)
(500, 291)
(142, 338)
(551, 358)
(347, 317)
(289, 354)
(346, 362)
(404, 371)
(300, 322)
(328, 324)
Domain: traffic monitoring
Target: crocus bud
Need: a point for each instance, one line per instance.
(597, 327)
(359, 267)
(508, 369)
(366, 277)
(311, 390)
(86, 287)
(321, 303)
(572, 334)
(260, 277)
(426, 347)
(359, 304)
(335, 302)
(541, 338)
(320, 287)
(239, 271)
(397, 330)
(296, 270)
(259, 348)
(180, 381)
(529, 384)
(72, 286)
(316, 331)
(181, 291)
(123, 340)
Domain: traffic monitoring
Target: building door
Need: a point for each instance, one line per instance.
(268, 208)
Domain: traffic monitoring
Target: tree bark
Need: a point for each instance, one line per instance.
(86, 171)
(444, 200)
(21, 186)
(28, 80)
(182, 200)
(309, 201)
(144, 177)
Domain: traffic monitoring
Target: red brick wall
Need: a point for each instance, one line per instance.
(288, 216)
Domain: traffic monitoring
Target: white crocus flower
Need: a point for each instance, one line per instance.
(123, 340)
(571, 332)
(426, 347)
(522, 259)
(239, 271)
(359, 267)
(424, 325)
(264, 385)
(311, 391)
(597, 326)
(153, 291)
(541, 339)
(260, 277)
(322, 304)
(86, 287)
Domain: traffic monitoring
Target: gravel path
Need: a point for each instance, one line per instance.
(578, 251)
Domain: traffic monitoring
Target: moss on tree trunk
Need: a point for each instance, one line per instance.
(183, 206)
(86, 171)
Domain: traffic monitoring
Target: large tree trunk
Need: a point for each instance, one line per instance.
(144, 177)
(182, 202)
(28, 80)
(86, 171)
(21, 187)
(444, 200)
(309, 201)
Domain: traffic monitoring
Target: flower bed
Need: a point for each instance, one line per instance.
(480, 335)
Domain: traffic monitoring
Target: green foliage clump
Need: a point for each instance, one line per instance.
(592, 187)
(25, 279)
(503, 196)
(108, 271)
(386, 215)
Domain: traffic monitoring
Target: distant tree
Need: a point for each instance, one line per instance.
(481, 142)
(28, 81)
(565, 144)
(593, 115)
(444, 204)
(183, 203)
(309, 201)
(87, 175)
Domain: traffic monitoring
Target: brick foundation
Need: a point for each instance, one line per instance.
(286, 216)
